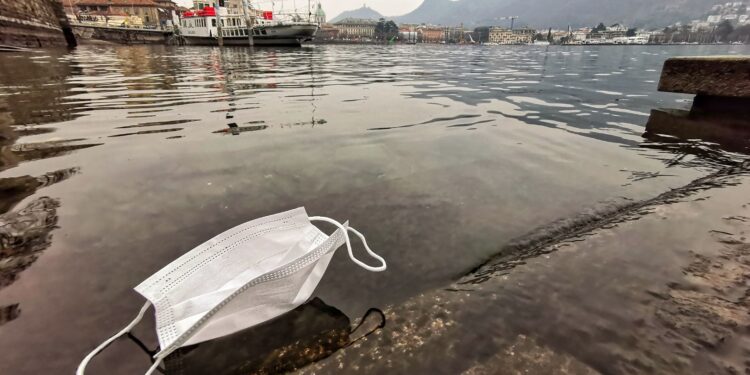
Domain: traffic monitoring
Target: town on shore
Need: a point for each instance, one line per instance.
(726, 23)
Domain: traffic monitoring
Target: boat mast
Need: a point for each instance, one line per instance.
(218, 23)
(248, 22)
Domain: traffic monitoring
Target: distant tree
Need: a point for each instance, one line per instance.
(538, 36)
(741, 34)
(550, 38)
(723, 30)
(391, 30)
(631, 32)
(386, 30)
(600, 27)
(380, 29)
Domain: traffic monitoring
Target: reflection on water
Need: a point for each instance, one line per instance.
(15, 189)
(305, 335)
(372, 134)
(24, 235)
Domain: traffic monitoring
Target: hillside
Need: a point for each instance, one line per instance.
(556, 13)
(361, 13)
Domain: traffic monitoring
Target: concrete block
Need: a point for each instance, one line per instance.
(727, 76)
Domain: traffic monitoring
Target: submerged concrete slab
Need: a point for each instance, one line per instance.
(727, 76)
(732, 133)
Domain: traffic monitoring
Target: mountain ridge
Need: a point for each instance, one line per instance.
(547, 13)
(364, 12)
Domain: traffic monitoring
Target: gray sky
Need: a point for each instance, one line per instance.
(334, 7)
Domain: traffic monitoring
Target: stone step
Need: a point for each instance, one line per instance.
(725, 76)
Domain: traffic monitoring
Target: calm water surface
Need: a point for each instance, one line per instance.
(116, 160)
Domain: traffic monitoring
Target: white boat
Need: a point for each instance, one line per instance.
(200, 28)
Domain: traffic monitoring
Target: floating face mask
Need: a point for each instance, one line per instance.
(238, 279)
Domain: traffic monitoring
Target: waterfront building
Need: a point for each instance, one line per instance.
(408, 33)
(453, 34)
(327, 32)
(354, 28)
(499, 35)
(431, 34)
(611, 32)
(152, 13)
(730, 11)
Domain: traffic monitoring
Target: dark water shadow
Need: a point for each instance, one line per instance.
(307, 334)
(24, 235)
(233, 129)
(699, 139)
(44, 150)
(144, 132)
(15, 189)
(27, 232)
(157, 123)
(707, 142)
(432, 121)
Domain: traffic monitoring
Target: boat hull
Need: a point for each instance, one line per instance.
(293, 35)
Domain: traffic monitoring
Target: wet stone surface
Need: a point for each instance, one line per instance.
(527, 223)
(726, 76)
(636, 297)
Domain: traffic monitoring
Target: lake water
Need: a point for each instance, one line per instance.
(117, 159)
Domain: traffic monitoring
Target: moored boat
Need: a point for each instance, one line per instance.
(201, 28)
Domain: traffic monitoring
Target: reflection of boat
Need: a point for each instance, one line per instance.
(200, 28)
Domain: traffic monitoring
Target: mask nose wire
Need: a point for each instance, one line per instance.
(82, 366)
(346, 231)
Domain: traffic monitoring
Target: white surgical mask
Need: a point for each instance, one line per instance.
(240, 278)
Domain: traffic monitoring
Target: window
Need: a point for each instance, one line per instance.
(213, 22)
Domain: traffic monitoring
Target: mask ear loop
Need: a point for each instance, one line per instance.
(82, 366)
(140, 344)
(151, 353)
(155, 366)
(361, 322)
(346, 231)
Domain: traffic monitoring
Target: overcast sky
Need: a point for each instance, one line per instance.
(334, 7)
